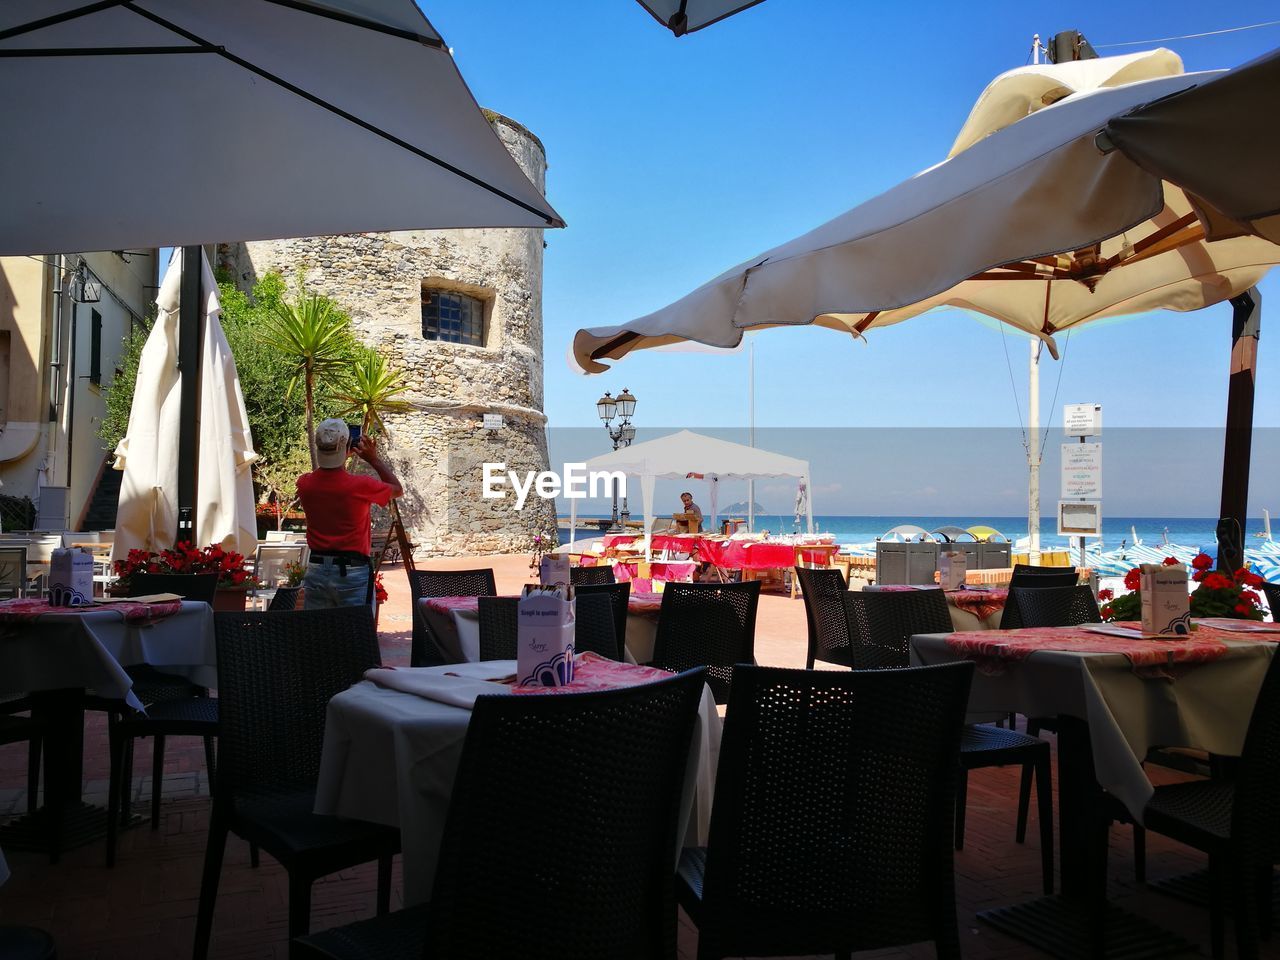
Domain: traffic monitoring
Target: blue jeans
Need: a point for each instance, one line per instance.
(325, 586)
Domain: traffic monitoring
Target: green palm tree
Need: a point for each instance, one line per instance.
(373, 388)
(315, 337)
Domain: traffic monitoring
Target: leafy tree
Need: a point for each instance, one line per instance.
(373, 388)
(278, 477)
(313, 337)
(119, 396)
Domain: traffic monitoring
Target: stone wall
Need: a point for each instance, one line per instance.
(437, 451)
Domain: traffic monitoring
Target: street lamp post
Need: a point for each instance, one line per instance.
(622, 406)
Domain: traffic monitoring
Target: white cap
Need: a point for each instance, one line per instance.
(332, 437)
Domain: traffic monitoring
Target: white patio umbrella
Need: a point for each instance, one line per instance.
(238, 120)
(147, 514)
(1034, 201)
(252, 119)
(686, 16)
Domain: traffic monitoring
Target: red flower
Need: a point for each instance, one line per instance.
(1106, 594)
(1216, 581)
(380, 592)
(1249, 597)
(1198, 576)
(1133, 579)
(1202, 561)
(1242, 608)
(1171, 561)
(1106, 612)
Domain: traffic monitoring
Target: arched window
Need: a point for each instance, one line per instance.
(452, 317)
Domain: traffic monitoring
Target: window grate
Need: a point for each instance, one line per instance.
(452, 317)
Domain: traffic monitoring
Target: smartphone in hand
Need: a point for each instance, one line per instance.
(354, 430)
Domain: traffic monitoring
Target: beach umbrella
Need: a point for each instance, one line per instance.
(147, 514)
(238, 120)
(1197, 140)
(1031, 224)
(686, 16)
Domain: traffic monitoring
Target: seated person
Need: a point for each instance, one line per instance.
(690, 518)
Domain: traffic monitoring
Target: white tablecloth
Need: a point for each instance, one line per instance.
(1207, 706)
(391, 757)
(91, 650)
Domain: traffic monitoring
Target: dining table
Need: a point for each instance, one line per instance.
(455, 624)
(1115, 695)
(393, 741)
(55, 654)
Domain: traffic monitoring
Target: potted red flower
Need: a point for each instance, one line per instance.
(1219, 594)
(234, 578)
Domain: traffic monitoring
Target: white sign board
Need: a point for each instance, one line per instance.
(1082, 471)
(493, 421)
(1076, 519)
(1082, 419)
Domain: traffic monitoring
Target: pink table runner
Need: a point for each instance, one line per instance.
(619, 539)
(24, 609)
(594, 672)
(980, 603)
(677, 543)
(1207, 644)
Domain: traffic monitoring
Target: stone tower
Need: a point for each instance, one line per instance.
(460, 313)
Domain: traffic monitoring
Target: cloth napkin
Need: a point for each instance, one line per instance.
(457, 688)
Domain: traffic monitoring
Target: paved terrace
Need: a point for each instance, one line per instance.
(144, 908)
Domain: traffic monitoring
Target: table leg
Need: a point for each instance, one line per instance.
(63, 821)
(1079, 923)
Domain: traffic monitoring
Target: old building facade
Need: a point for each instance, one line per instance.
(460, 313)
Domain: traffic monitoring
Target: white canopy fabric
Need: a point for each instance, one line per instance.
(1220, 142)
(677, 455)
(686, 16)
(146, 517)
(314, 119)
(1088, 234)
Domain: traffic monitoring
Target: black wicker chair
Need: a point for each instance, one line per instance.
(1234, 822)
(276, 675)
(426, 650)
(710, 625)
(604, 887)
(1025, 575)
(823, 591)
(26, 943)
(175, 707)
(594, 629)
(29, 730)
(881, 625)
(1066, 606)
(830, 831)
(580, 576)
(619, 595)
(498, 627)
(284, 599)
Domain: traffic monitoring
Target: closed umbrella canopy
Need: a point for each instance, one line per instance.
(1220, 142)
(146, 517)
(310, 119)
(963, 233)
(686, 16)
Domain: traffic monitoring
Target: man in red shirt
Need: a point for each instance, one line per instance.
(337, 504)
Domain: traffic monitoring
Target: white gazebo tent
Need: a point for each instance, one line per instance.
(678, 455)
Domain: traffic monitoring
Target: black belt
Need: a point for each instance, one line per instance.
(349, 556)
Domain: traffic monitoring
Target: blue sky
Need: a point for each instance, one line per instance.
(674, 159)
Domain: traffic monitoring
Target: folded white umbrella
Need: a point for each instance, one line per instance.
(147, 514)
(240, 120)
(1031, 224)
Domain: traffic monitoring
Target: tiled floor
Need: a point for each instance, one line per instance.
(144, 908)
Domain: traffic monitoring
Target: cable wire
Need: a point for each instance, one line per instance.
(1053, 404)
(1013, 387)
(1188, 36)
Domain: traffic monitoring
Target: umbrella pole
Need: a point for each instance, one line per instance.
(1245, 326)
(189, 311)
